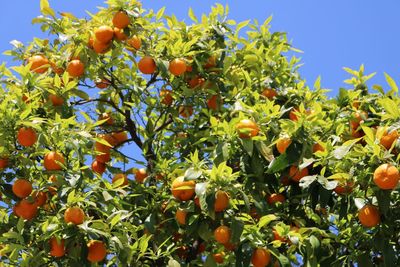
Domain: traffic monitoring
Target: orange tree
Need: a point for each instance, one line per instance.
(134, 139)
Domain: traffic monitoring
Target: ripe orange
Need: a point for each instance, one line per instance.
(386, 177)
(40, 64)
(147, 65)
(297, 174)
(180, 216)
(274, 198)
(75, 68)
(119, 34)
(104, 34)
(196, 81)
(277, 236)
(389, 138)
(119, 137)
(3, 163)
(166, 97)
(247, 129)
(107, 117)
(221, 201)
(56, 69)
(118, 177)
(103, 84)
(96, 251)
(211, 62)
(292, 115)
(56, 100)
(135, 42)
(222, 234)
(22, 188)
(53, 161)
(261, 257)
(359, 116)
(98, 167)
(219, 257)
(369, 216)
(104, 157)
(26, 136)
(186, 111)
(40, 198)
(25, 209)
(57, 249)
(121, 20)
(101, 48)
(317, 147)
(269, 93)
(74, 215)
(177, 67)
(183, 190)
(346, 188)
(282, 144)
(214, 102)
(99, 147)
(140, 175)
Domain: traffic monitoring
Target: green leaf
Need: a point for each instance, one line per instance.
(46, 9)
(241, 25)
(267, 219)
(160, 13)
(237, 230)
(393, 86)
(192, 16)
(71, 197)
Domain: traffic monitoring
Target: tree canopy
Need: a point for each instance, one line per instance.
(135, 139)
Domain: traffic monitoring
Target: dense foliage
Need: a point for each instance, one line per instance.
(135, 139)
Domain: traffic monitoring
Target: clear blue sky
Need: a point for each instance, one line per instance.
(332, 34)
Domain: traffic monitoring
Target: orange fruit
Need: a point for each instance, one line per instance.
(261, 257)
(389, 138)
(274, 198)
(53, 161)
(386, 177)
(180, 216)
(247, 129)
(56, 101)
(3, 163)
(107, 117)
(74, 215)
(119, 34)
(269, 93)
(26, 136)
(282, 144)
(25, 209)
(297, 174)
(221, 201)
(219, 257)
(292, 115)
(214, 102)
(357, 118)
(104, 157)
(183, 190)
(119, 137)
(177, 67)
(56, 69)
(369, 216)
(134, 42)
(57, 249)
(211, 62)
(96, 251)
(186, 111)
(166, 97)
(40, 198)
(40, 64)
(196, 81)
(317, 147)
(222, 234)
(22, 188)
(104, 34)
(103, 84)
(101, 48)
(147, 65)
(140, 175)
(121, 20)
(118, 177)
(98, 167)
(277, 236)
(342, 189)
(75, 68)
